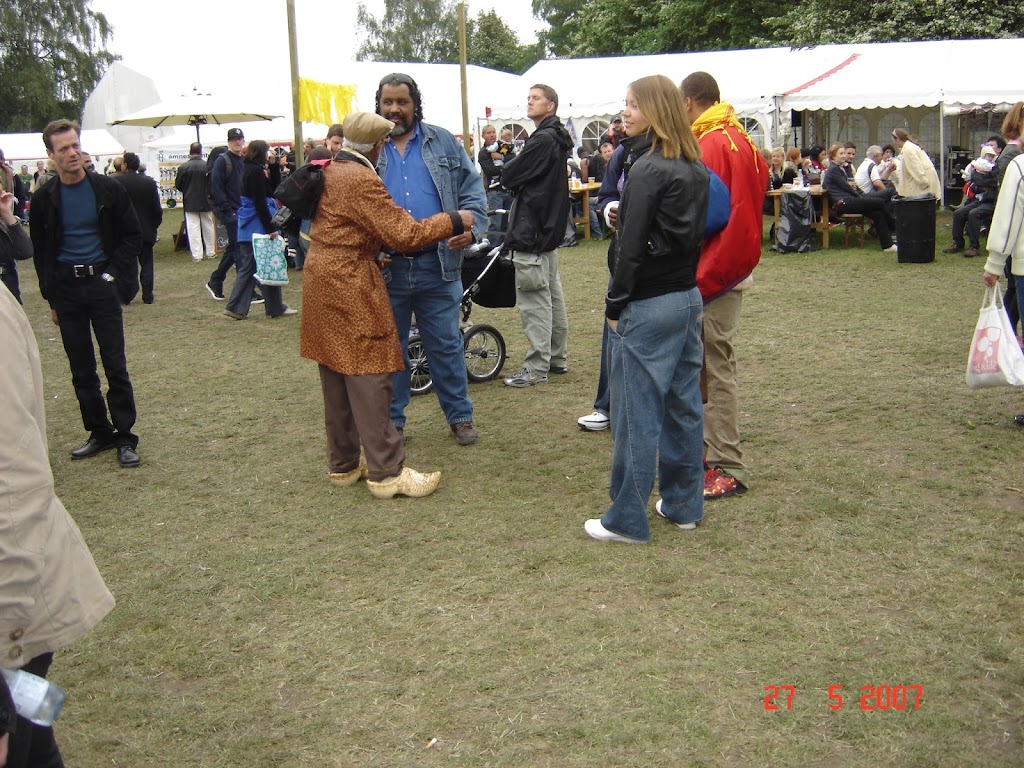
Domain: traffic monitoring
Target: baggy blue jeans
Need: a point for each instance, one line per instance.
(415, 286)
(656, 412)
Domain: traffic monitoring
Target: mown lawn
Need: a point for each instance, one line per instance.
(266, 618)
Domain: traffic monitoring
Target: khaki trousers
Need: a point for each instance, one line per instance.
(357, 409)
(721, 412)
(542, 310)
(201, 233)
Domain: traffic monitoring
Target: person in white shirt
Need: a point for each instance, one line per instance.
(871, 174)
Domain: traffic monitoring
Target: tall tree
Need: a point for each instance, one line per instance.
(411, 31)
(52, 54)
(491, 43)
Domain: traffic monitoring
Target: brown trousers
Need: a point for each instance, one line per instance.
(357, 409)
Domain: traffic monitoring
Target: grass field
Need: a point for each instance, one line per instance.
(266, 618)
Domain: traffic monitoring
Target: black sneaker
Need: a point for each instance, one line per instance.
(217, 293)
(1019, 419)
(257, 297)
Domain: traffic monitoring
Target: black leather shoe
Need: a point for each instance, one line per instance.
(91, 448)
(127, 457)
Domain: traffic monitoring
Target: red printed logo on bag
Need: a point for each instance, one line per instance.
(985, 352)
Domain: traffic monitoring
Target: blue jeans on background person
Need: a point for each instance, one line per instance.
(602, 400)
(415, 286)
(229, 258)
(498, 223)
(245, 283)
(657, 416)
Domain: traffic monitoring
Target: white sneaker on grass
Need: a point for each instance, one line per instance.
(680, 526)
(595, 422)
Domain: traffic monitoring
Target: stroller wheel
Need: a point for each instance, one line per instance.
(485, 352)
(421, 382)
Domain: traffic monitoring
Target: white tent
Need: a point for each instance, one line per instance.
(925, 74)
(26, 148)
(121, 91)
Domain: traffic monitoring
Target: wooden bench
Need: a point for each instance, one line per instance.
(852, 221)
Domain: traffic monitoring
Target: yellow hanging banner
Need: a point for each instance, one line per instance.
(324, 103)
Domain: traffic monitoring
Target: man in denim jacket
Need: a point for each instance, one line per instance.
(427, 171)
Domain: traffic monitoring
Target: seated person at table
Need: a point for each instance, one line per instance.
(847, 198)
(778, 174)
(599, 161)
(871, 174)
(974, 214)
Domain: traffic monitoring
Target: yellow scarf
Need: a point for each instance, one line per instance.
(718, 117)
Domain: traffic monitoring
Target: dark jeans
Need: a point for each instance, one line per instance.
(146, 271)
(874, 209)
(229, 258)
(969, 218)
(245, 283)
(87, 306)
(34, 746)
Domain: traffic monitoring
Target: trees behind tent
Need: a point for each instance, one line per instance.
(52, 54)
(629, 27)
(427, 31)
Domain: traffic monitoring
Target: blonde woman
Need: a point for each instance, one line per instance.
(653, 311)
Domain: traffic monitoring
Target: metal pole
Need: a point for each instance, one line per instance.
(942, 154)
(293, 59)
(462, 73)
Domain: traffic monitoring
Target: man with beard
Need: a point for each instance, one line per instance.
(536, 226)
(427, 171)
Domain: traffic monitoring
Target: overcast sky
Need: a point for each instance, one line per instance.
(198, 42)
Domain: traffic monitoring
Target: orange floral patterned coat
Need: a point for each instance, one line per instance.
(347, 322)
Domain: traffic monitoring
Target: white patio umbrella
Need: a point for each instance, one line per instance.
(194, 109)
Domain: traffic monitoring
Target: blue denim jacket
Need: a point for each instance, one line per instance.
(458, 184)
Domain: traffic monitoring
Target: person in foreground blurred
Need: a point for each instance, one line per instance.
(51, 593)
(1006, 235)
(348, 327)
(653, 311)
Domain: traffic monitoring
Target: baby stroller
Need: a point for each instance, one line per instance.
(488, 279)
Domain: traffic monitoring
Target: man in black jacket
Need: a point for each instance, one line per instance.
(536, 226)
(86, 239)
(191, 181)
(145, 197)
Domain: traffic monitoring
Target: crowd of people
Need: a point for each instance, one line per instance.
(683, 189)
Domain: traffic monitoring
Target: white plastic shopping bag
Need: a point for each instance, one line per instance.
(271, 265)
(996, 359)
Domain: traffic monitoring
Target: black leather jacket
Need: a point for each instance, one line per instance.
(537, 177)
(660, 228)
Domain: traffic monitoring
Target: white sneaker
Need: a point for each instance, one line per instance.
(597, 531)
(680, 526)
(891, 249)
(595, 422)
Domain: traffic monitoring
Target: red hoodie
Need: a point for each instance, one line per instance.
(732, 254)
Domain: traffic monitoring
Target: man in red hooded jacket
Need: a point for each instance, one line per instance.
(725, 269)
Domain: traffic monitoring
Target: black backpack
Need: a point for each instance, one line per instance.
(301, 189)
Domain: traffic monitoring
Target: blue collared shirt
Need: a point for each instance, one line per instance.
(408, 180)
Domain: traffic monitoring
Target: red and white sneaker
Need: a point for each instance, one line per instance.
(718, 484)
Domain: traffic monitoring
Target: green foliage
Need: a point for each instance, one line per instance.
(491, 43)
(410, 31)
(428, 31)
(52, 54)
(618, 27)
(844, 21)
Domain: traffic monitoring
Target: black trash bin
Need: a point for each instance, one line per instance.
(915, 229)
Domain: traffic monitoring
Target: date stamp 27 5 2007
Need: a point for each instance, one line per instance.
(873, 698)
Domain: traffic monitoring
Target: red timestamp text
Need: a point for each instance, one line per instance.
(873, 698)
